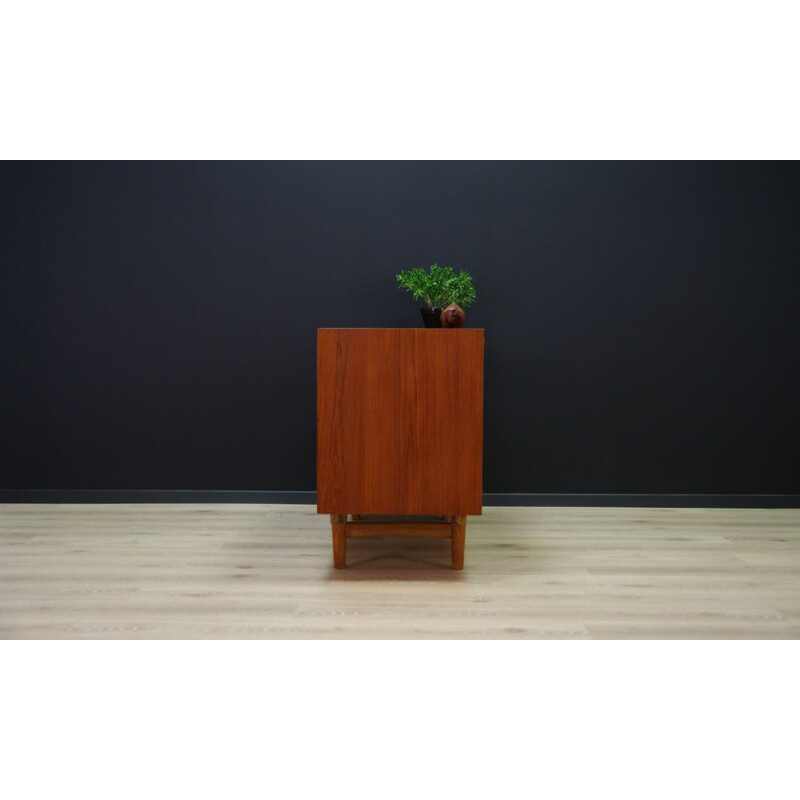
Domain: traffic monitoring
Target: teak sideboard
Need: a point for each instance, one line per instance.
(399, 432)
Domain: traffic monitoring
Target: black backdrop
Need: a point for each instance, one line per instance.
(159, 319)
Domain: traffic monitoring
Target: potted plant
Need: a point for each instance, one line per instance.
(442, 290)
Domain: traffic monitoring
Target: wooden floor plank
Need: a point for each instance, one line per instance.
(228, 571)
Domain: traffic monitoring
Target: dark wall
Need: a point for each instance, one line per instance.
(159, 319)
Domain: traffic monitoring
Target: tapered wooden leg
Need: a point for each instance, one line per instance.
(339, 528)
(458, 529)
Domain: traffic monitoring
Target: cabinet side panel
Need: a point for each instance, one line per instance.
(400, 421)
(330, 456)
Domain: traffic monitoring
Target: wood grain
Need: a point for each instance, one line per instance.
(264, 572)
(399, 421)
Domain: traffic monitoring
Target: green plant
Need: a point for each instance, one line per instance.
(438, 287)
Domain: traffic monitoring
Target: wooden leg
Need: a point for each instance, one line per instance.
(457, 538)
(339, 528)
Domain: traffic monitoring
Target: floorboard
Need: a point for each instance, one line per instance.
(242, 571)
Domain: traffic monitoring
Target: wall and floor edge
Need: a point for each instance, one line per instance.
(310, 498)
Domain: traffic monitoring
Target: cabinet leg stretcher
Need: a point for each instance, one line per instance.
(453, 528)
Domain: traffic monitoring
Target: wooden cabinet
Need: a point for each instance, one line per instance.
(399, 431)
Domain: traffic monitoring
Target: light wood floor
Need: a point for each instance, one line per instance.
(265, 571)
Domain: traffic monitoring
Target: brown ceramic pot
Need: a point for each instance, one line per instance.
(453, 316)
